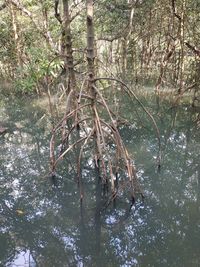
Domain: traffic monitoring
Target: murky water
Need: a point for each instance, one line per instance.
(41, 224)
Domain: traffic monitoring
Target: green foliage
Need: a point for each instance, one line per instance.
(33, 74)
(143, 32)
(26, 84)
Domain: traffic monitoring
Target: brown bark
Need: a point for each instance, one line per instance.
(181, 37)
(90, 53)
(67, 46)
(169, 52)
(90, 39)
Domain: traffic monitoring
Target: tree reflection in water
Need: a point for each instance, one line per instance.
(43, 225)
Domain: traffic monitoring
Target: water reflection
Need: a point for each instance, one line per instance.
(43, 224)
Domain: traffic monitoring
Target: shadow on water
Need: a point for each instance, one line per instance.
(43, 224)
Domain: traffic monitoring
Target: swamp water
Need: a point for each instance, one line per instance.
(41, 223)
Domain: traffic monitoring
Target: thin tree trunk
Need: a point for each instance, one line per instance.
(90, 43)
(46, 29)
(124, 56)
(67, 44)
(16, 35)
(182, 39)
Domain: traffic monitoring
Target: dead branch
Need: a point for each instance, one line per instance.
(57, 127)
(57, 14)
(80, 153)
(193, 48)
(68, 149)
(66, 137)
(174, 11)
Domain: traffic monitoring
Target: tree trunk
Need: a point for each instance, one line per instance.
(182, 40)
(67, 47)
(15, 29)
(90, 44)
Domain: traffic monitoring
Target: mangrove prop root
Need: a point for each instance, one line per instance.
(99, 133)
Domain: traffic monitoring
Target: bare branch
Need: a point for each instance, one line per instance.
(68, 149)
(57, 14)
(193, 48)
(174, 11)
